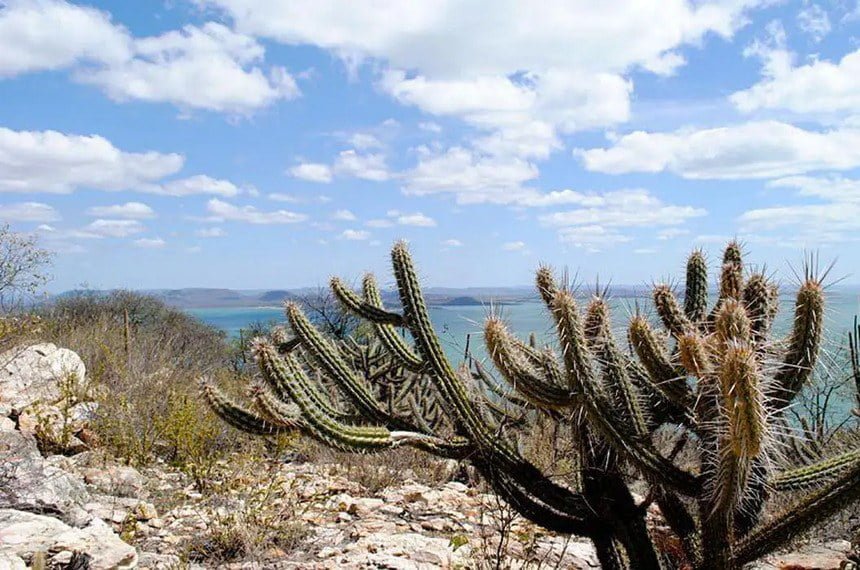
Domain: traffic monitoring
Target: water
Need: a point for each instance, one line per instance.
(453, 323)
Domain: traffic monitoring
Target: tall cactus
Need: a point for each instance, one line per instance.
(714, 375)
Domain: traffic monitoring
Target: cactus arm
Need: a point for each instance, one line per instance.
(494, 387)
(239, 417)
(356, 305)
(327, 356)
(696, 287)
(810, 476)
(670, 312)
(598, 410)
(615, 370)
(518, 372)
(758, 299)
(664, 377)
(274, 410)
(803, 344)
(839, 493)
(386, 333)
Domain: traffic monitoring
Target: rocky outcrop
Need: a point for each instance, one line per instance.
(38, 373)
(23, 533)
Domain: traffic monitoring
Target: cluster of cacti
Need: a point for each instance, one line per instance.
(714, 376)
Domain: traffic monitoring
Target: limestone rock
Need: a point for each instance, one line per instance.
(28, 482)
(23, 533)
(38, 373)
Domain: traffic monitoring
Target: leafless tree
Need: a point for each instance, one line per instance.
(23, 267)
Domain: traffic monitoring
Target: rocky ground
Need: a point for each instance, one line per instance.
(86, 510)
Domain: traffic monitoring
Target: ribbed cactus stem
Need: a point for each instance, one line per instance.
(386, 333)
(674, 319)
(519, 372)
(757, 301)
(355, 304)
(546, 285)
(815, 475)
(651, 350)
(239, 417)
(732, 274)
(696, 290)
(803, 344)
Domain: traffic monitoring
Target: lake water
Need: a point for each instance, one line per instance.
(453, 323)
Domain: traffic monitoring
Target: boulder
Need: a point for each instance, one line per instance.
(41, 372)
(22, 534)
(28, 482)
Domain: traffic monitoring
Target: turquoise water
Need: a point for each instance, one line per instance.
(453, 323)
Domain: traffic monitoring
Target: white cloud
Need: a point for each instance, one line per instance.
(343, 215)
(150, 243)
(28, 212)
(514, 246)
(112, 228)
(132, 210)
(430, 127)
(452, 243)
(834, 218)
(48, 34)
(378, 223)
(599, 221)
(209, 67)
(210, 233)
(470, 177)
(281, 197)
(765, 149)
(364, 166)
(224, 211)
(416, 219)
(559, 63)
(364, 141)
(671, 233)
(199, 184)
(355, 235)
(814, 21)
(820, 86)
(49, 161)
(312, 172)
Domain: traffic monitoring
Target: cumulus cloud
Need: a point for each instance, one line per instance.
(49, 161)
(47, 34)
(833, 217)
(452, 243)
(59, 163)
(112, 228)
(150, 243)
(514, 246)
(28, 212)
(355, 235)
(814, 21)
(365, 166)
(132, 210)
(210, 233)
(602, 217)
(416, 219)
(312, 172)
(764, 149)
(209, 67)
(225, 211)
(820, 86)
(343, 215)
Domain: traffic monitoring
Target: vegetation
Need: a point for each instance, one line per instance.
(716, 378)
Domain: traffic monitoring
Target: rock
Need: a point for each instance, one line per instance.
(28, 482)
(120, 480)
(828, 556)
(6, 424)
(54, 428)
(23, 533)
(41, 372)
(12, 562)
(145, 511)
(152, 561)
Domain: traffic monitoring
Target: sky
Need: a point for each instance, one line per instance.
(261, 144)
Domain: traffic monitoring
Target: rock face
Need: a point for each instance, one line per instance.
(23, 533)
(38, 373)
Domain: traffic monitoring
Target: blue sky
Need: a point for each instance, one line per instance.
(264, 144)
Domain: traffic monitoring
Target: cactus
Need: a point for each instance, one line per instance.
(715, 376)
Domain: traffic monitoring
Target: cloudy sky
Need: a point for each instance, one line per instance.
(261, 144)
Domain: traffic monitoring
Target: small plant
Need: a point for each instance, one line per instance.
(715, 376)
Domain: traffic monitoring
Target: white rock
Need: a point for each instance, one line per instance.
(23, 533)
(38, 373)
